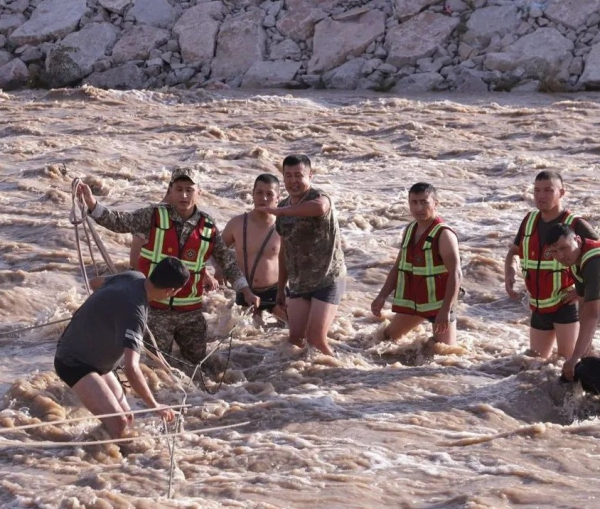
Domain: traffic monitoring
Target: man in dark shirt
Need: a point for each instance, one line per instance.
(108, 326)
(583, 256)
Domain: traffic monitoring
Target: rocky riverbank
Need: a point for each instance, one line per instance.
(397, 45)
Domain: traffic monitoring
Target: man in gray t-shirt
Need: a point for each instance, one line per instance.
(107, 327)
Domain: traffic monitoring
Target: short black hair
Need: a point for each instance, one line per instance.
(169, 273)
(556, 232)
(423, 187)
(267, 178)
(549, 175)
(294, 159)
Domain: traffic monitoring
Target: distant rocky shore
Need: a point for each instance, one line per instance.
(389, 45)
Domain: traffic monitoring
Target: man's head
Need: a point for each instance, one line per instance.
(422, 201)
(168, 277)
(563, 244)
(548, 190)
(183, 191)
(297, 175)
(266, 190)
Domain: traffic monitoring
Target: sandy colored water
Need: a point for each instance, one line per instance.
(479, 426)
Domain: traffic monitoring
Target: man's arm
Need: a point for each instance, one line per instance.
(97, 282)
(449, 253)
(387, 288)
(511, 264)
(589, 316)
(311, 208)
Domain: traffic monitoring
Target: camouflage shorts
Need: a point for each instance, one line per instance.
(187, 329)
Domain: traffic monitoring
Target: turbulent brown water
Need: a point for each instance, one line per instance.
(479, 426)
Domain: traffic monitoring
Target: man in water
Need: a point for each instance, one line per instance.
(311, 256)
(426, 275)
(178, 228)
(583, 258)
(551, 299)
(107, 327)
(257, 246)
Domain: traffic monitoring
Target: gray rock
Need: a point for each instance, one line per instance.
(269, 21)
(590, 79)
(102, 65)
(300, 18)
(137, 42)
(270, 74)
(155, 62)
(156, 13)
(380, 52)
(312, 80)
(31, 54)
(465, 51)
(408, 8)
(275, 8)
(467, 80)
(116, 6)
(429, 64)
(535, 12)
(541, 54)
(5, 57)
(74, 57)
(125, 77)
(526, 86)
(418, 37)
(387, 69)
(11, 22)
(197, 29)
(346, 76)
(421, 82)
(2, 41)
(18, 6)
(371, 65)
(572, 13)
(336, 40)
(485, 23)
(13, 75)
(576, 66)
(286, 49)
(457, 5)
(52, 19)
(241, 42)
(593, 20)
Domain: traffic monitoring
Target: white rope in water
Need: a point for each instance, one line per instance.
(77, 419)
(46, 445)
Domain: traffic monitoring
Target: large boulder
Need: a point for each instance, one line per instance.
(408, 8)
(10, 23)
(299, 20)
(137, 42)
(572, 13)
(420, 82)
(125, 77)
(336, 40)
(419, 37)
(271, 74)
(13, 75)
(485, 23)
(590, 79)
(197, 29)
(284, 50)
(346, 76)
(241, 43)
(5, 57)
(74, 57)
(542, 53)
(116, 6)
(52, 19)
(156, 13)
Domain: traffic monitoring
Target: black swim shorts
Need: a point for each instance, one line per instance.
(73, 372)
(268, 298)
(545, 321)
(331, 294)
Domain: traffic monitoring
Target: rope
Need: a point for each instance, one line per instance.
(15, 331)
(8, 443)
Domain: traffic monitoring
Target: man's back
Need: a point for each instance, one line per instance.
(111, 319)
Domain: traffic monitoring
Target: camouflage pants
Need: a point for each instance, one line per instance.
(187, 329)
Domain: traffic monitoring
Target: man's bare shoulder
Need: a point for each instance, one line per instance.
(234, 227)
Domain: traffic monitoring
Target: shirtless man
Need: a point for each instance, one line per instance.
(257, 246)
(426, 275)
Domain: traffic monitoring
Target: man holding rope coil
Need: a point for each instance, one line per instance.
(177, 229)
(108, 326)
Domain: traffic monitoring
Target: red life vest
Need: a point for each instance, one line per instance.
(163, 242)
(589, 249)
(422, 275)
(545, 278)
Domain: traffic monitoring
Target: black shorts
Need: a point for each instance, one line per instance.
(431, 319)
(267, 299)
(545, 321)
(73, 372)
(331, 294)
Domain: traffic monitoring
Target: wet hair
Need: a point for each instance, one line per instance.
(423, 187)
(556, 232)
(294, 159)
(549, 175)
(266, 178)
(169, 273)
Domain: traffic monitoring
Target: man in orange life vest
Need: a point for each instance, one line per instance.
(551, 299)
(426, 276)
(177, 229)
(583, 258)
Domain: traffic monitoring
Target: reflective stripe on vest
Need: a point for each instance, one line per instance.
(553, 266)
(592, 253)
(427, 272)
(195, 266)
